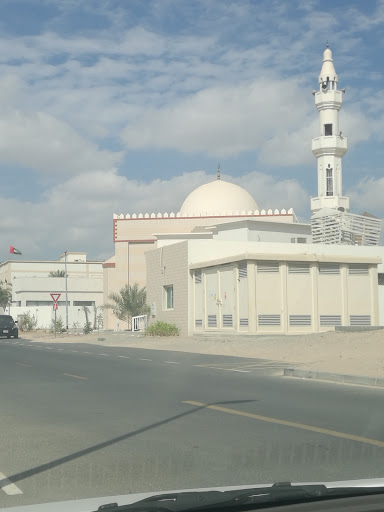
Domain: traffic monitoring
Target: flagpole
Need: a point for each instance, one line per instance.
(66, 290)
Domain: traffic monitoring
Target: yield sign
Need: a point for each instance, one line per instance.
(55, 297)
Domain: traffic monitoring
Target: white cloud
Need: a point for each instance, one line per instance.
(367, 195)
(225, 121)
(37, 140)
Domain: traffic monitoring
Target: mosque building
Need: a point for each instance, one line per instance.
(221, 264)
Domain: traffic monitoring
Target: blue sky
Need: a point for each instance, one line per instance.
(126, 106)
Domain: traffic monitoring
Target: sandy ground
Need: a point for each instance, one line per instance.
(353, 353)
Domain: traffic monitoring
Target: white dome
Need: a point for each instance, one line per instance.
(218, 197)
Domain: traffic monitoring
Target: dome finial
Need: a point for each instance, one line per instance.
(218, 171)
(327, 44)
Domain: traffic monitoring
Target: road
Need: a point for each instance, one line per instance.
(83, 421)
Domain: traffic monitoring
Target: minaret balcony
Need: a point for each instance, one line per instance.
(330, 145)
(328, 99)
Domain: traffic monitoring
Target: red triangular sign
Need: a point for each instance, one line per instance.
(55, 296)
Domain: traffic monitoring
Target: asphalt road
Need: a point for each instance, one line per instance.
(84, 421)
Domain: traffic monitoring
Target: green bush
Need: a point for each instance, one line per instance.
(162, 329)
(59, 325)
(87, 328)
(27, 322)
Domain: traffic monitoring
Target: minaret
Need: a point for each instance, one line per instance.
(331, 146)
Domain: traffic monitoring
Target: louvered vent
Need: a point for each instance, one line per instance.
(212, 322)
(330, 320)
(268, 267)
(242, 270)
(298, 268)
(243, 322)
(299, 320)
(360, 320)
(269, 319)
(198, 277)
(358, 270)
(227, 321)
(328, 268)
(198, 323)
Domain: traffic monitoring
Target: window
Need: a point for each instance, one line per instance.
(381, 279)
(44, 303)
(168, 297)
(266, 267)
(83, 302)
(329, 268)
(327, 129)
(329, 181)
(358, 270)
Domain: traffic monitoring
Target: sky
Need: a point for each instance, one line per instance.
(126, 106)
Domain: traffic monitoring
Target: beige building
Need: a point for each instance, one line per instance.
(207, 208)
(262, 288)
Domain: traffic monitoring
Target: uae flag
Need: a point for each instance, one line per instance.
(13, 250)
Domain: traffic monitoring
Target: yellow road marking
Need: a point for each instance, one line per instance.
(334, 433)
(75, 376)
(23, 364)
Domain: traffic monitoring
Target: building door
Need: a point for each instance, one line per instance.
(227, 297)
(212, 301)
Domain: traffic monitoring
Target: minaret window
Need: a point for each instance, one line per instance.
(329, 181)
(327, 129)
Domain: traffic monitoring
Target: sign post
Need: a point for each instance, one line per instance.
(55, 297)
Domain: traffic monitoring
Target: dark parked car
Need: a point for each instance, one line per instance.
(8, 327)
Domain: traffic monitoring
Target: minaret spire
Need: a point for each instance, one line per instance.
(330, 147)
(218, 171)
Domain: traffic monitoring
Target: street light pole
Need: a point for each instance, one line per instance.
(66, 290)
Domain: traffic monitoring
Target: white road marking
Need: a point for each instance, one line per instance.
(124, 357)
(225, 369)
(60, 349)
(74, 350)
(143, 359)
(171, 362)
(49, 348)
(87, 352)
(102, 354)
(8, 487)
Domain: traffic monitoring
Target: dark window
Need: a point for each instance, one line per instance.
(83, 302)
(327, 129)
(381, 278)
(329, 181)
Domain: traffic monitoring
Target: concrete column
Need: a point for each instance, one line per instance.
(315, 297)
(375, 314)
(344, 294)
(284, 297)
(252, 313)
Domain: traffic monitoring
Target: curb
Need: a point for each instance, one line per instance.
(335, 377)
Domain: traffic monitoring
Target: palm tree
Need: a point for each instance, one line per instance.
(129, 302)
(57, 273)
(5, 297)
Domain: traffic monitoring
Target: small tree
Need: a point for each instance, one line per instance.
(27, 322)
(5, 297)
(129, 302)
(87, 327)
(57, 273)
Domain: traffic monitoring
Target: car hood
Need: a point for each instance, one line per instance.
(90, 504)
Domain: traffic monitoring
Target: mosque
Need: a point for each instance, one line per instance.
(221, 264)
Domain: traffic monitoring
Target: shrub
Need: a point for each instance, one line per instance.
(87, 328)
(27, 322)
(59, 325)
(162, 329)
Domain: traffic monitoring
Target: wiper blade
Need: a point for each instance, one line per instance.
(209, 500)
